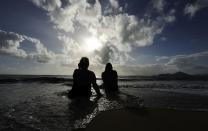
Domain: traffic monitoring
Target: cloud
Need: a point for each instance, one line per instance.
(114, 3)
(192, 9)
(170, 17)
(189, 63)
(186, 60)
(112, 7)
(11, 44)
(158, 5)
(116, 30)
(148, 69)
(48, 5)
(162, 58)
(163, 38)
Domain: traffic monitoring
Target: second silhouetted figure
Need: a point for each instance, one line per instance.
(110, 79)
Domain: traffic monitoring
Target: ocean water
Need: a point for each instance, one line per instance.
(40, 103)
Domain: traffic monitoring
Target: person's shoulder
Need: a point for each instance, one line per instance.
(114, 71)
(91, 72)
(76, 70)
(76, 73)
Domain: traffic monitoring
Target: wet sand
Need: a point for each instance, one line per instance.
(149, 120)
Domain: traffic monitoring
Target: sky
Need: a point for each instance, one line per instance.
(139, 37)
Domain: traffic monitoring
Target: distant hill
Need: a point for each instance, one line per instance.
(180, 76)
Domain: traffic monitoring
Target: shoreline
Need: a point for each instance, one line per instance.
(148, 119)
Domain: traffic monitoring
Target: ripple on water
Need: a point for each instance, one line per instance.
(55, 111)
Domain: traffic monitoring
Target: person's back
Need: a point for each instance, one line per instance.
(110, 79)
(83, 79)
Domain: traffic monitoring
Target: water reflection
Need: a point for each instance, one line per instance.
(82, 110)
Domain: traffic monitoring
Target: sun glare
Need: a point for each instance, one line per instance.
(92, 44)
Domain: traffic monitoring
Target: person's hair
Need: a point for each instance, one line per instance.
(84, 63)
(108, 67)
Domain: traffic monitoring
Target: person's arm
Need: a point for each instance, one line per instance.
(74, 78)
(94, 85)
(72, 92)
(116, 77)
(102, 76)
(116, 80)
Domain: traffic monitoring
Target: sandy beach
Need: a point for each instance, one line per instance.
(149, 120)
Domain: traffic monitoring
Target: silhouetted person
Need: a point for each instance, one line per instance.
(110, 79)
(82, 80)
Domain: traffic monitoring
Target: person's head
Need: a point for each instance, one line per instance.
(84, 63)
(108, 67)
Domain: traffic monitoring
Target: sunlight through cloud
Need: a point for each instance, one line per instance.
(92, 44)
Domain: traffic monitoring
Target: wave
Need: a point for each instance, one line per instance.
(7, 79)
